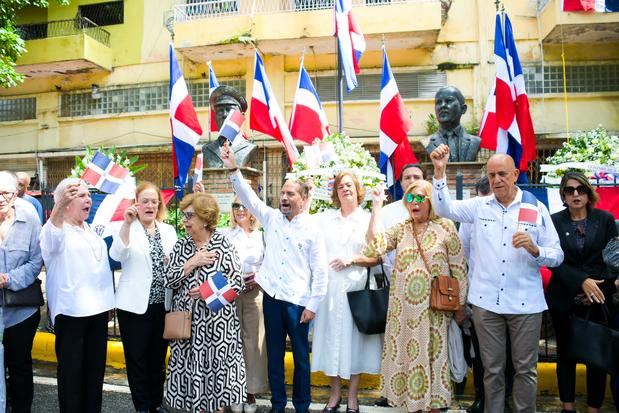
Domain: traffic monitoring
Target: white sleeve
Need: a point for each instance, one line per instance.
(460, 211)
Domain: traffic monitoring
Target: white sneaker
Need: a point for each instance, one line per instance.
(250, 408)
(236, 408)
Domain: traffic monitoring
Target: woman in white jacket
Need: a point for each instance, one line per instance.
(142, 247)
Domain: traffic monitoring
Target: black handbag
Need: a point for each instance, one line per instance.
(594, 343)
(369, 307)
(31, 296)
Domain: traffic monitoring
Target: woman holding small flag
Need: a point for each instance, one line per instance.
(206, 372)
(581, 282)
(142, 246)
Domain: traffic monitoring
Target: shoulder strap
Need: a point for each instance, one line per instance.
(423, 257)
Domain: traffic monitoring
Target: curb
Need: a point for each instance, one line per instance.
(43, 349)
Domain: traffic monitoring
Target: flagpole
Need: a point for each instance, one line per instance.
(208, 118)
(340, 106)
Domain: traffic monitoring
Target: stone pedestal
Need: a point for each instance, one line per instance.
(217, 183)
(470, 173)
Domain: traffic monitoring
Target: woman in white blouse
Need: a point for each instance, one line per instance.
(338, 348)
(80, 294)
(143, 246)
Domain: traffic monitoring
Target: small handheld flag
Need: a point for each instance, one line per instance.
(217, 292)
(104, 174)
(197, 169)
(213, 84)
(231, 128)
(529, 212)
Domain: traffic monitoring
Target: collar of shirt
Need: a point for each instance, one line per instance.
(457, 131)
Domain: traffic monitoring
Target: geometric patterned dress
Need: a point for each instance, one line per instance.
(415, 370)
(206, 372)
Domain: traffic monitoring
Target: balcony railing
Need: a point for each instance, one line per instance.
(221, 8)
(64, 28)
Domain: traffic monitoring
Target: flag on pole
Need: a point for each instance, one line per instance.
(265, 115)
(217, 292)
(308, 120)
(231, 128)
(350, 41)
(213, 84)
(600, 6)
(104, 174)
(186, 129)
(507, 126)
(395, 151)
(197, 168)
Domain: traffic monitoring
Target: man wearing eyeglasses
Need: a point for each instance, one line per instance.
(505, 287)
(293, 277)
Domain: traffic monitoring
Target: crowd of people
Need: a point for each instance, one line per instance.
(289, 271)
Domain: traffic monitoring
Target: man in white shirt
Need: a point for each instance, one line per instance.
(293, 277)
(505, 287)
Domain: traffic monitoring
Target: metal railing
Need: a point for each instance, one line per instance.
(222, 8)
(59, 28)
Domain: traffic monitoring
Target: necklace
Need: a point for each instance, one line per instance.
(93, 248)
(415, 233)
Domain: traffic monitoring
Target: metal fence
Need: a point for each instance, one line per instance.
(59, 28)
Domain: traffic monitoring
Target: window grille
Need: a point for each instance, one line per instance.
(18, 109)
(580, 78)
(411, 85)
(143, 98)
(103, 14)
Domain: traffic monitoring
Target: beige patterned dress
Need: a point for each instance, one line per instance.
(415, 368)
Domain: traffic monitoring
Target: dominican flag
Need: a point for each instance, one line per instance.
(308, 120)
(104, 174)
(601, 6)
(217, 292)
(529, 211)
(186, 130)
(231, 128)
(197, 168)
(395, 123)
(213, 84)
(350, 41)
(507, 126)
(265, 115)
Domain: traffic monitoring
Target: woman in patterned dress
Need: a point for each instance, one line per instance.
(206, 372)
(142, 246)
(415, 367)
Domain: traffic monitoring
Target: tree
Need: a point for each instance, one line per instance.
(11, 44)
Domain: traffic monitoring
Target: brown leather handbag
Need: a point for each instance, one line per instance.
(177, 325)
(444, 289)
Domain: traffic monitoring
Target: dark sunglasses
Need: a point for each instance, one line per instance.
(581, 189)
(417, 198)
(238, 207)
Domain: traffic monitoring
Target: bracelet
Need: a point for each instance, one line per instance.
(233, 169)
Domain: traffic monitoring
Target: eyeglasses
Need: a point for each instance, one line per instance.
(581, 189)
(417, 198)
(187, 215)
(149, 202)
(7, 195)
(238, 207)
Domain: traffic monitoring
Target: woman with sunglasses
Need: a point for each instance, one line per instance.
(247, 239)
(142, 246)
(415, 366)
(581, 282)
(338, 348)
(206, 372)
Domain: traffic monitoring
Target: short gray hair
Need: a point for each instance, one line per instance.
(10, 178)
(64, 183)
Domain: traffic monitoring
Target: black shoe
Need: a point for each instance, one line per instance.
(477, 406)
(333, 409)
(382, 402)
(351, 410)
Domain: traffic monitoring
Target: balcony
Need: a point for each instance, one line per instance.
(225, 29)
(557, 26)
(64, 47)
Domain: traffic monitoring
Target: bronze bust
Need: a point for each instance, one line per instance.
(223, 100)
(449, 107)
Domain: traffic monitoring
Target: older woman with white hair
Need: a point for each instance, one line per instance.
(80, 294)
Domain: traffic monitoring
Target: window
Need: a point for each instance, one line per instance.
(18, 109)
(103, 14)
(580, 78)
(303, 5)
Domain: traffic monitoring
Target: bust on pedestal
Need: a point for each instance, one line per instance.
(224, 99)
(449, 107)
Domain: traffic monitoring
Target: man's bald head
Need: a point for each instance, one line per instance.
(503, 158)
(23, 183)
(502, 175)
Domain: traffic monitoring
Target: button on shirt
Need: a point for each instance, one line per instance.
(504, 279)
(294, 268)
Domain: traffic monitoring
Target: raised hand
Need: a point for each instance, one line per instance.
(68, 195)
(198, 187)
(227, 157)
(131, 213)
(378, 195)
(440, 157)
(523, 240)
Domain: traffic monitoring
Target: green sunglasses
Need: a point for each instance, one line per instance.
(417, 198)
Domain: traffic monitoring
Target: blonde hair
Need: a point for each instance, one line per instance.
(426, 188)
(338, 179)
(205, 206)
(254, 224)
(144, 185)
